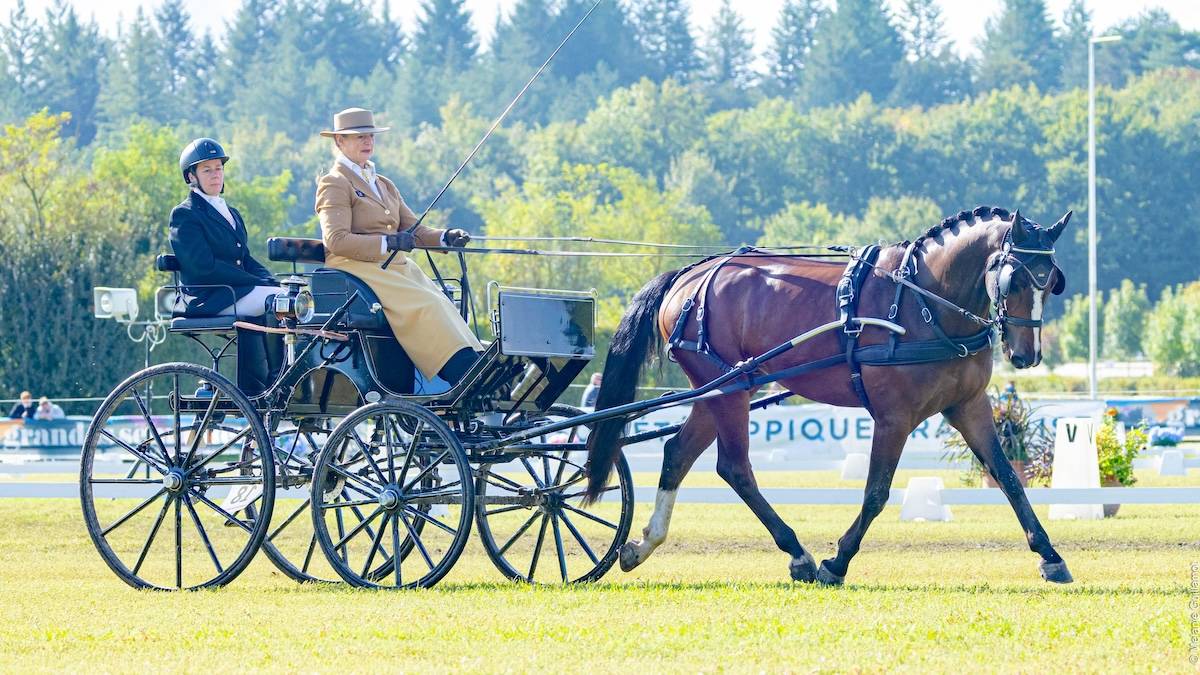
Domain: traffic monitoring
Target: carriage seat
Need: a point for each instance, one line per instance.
(180, 321)
(331, 288)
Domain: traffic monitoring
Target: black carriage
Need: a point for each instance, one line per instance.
(350, 450)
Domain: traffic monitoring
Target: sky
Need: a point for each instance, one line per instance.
(965, 19)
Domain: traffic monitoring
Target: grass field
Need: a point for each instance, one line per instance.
(955, 596)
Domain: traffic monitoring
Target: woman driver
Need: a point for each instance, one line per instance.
(364, 219)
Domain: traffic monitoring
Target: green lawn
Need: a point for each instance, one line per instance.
(963, 595)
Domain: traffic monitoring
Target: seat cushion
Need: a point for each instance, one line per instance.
(295, 250)
(202, 323)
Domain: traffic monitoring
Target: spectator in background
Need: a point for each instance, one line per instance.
(591, 391)
(48, 411)
(24, 408)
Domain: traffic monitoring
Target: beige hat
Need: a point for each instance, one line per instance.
(354, 121)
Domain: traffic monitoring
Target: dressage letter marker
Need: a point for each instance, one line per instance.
(1075, 466)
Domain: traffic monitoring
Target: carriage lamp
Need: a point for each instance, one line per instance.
(296, 303)
(167, 301)
(115, 303)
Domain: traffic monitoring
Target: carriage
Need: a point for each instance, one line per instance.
(350, 450)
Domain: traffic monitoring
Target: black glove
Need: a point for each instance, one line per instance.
(401, 241)
(457, 238)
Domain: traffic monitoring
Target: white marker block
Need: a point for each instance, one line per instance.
(1075, 466)
(1170, 463)
(923, 500)
(855, 466)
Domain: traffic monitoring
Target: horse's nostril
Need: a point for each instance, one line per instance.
(1018, 361)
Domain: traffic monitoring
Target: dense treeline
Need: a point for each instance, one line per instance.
(857, 125)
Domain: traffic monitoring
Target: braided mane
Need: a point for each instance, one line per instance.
(970, 217)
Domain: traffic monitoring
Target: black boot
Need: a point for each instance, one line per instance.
(458, 365)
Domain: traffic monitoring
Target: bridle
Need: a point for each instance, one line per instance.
(1012, 260)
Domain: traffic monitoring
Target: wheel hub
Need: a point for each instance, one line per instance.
(173, 481)
(389, 499)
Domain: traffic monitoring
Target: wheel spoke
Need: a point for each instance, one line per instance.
(125, 481)
(222, 512)
(203, 535)
(375, 540)
(150, 539)
(423, 516)
(589, 516)
(288, 521)
(505, 509)
(198, 431)
(175, 411)
(364, 486)
(362, 447)
(239, 436)
(312, 546)
(149, 422)
(520, 531)
(425, 472)
(136, 453)
(178, 544)
(573, 495)
(537, 549)
(350, 505)
(579, 538)
(558, 545)
(358, 528)
(416, 537)
(537, 481)
(137, 509)
(240, 480)
(397, 563)
(575, 478)
(515, 486)
(391, 449)
(412, 451)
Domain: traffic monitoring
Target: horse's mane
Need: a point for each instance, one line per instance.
(979, 213)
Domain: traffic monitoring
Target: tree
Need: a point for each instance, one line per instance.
(606, 41)
(662, 30)
(22, 42)
(1072, 330)
(520, 37)
(792, 39)
(74, 57)
(136, 78)
(247, 37)
(857, 50)
(1077, 30)
(728, 54)
(1172, 338)
(444, 36)
(1020, 47)
(1152, 40)
(931, 73)
(1125, 320)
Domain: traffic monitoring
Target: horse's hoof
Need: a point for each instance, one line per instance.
(629, 556)
(803, 569)
(824, 576)
(1056, 572)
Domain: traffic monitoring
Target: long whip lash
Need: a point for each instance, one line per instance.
(494, 126)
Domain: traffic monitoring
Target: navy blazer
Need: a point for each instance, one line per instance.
(211, 252)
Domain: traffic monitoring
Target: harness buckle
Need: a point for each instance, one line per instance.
(893, 311)
(853, 328)
(687, 305)
(926, 315)
(963, 352)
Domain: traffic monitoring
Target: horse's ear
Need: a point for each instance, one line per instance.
(1019, 228)
(1058, 227)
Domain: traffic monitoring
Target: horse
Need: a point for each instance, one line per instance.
(984, 268)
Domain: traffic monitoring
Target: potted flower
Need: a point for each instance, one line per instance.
(1025, 442)
(1116, 455)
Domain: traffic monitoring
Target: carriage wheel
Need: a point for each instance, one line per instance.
(531, 518)
(405, 471)
(291, 543)
(193, 508)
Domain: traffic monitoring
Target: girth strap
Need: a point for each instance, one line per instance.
(697, 301)
(853, 277)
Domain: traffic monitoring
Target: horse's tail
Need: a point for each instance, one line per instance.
(636, 337)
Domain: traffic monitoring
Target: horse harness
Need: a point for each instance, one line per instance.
(1014, 259)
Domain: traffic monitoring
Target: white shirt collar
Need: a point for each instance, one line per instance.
(368, 175)
(219, 204)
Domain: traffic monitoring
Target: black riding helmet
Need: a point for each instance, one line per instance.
(198, 151)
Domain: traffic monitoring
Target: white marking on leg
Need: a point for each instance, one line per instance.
(656, 532)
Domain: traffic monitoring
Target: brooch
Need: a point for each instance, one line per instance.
(360, 193)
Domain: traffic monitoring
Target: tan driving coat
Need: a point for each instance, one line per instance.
(353, 221)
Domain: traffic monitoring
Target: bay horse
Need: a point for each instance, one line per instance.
(972, 270)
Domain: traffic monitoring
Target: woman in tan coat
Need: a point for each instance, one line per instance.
(363, 220)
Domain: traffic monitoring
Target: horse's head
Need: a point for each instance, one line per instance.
(1019, 278)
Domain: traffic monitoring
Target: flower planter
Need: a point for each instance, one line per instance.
(1110, 510)
(1018, 465)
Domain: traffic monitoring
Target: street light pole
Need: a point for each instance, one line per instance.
(1092, 313)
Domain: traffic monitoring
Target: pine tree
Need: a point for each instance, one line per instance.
(136, 78)
(1077, 30)
(394, 42)
(73, 59)
(931, 73)
(444, 36)
(22, 43)
(252, 32)
(606, 41)
(728, 55)
(662, 30)
(857, 50)
(1020, 48)
(520, 39)
(791, 41)
(348, 37)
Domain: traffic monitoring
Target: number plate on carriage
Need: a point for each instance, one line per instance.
(547, 325)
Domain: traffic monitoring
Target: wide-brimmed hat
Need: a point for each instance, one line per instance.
(353, 121)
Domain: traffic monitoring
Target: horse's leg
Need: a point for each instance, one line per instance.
(679, 453)
(974, 421)
(733, 465)
(886, 446)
